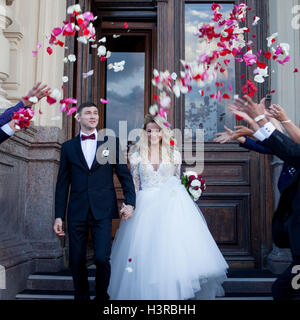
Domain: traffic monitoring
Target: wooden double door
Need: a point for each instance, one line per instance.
(237, 204)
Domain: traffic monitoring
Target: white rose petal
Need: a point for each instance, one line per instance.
(101, 51)
(165, 102)
(176, 91)
(72, 57)
(82, 40)
(33, 99)
(102, 40)
(153, 109)
(65, 79)
(56, 94)
(174, 76)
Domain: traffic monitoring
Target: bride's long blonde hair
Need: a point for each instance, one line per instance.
(167, 149)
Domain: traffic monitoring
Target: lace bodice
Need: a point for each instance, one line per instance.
(145, 176)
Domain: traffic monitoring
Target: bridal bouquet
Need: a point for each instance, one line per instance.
(194, 184)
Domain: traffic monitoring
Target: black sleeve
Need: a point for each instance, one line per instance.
(125, 177)
(62, 185)
(3, 136)
(284, 148)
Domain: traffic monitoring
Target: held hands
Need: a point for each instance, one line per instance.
(126, 211)
(37, 91)
(58, 227)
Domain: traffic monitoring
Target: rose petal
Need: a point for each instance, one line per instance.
(104, 101)
(49, 50)
(71, 111)
(72, 57)
(88, 74)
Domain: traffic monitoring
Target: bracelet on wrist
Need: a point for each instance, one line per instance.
(258, 118)
(286, 121)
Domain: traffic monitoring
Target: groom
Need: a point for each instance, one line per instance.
(92, 202)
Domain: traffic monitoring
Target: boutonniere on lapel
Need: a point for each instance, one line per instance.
(105, 153)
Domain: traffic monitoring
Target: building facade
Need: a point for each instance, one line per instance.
(241, 186)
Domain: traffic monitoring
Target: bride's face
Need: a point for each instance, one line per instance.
(154, 133)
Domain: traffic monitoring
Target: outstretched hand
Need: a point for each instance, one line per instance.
(229, 135)
(37, 91)
(278, 113)
(249, 107)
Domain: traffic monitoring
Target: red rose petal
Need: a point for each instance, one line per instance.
(49, 50)
(238, 117)
(226, 96)
(261, 65)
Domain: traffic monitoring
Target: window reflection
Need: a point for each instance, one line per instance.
(125, 91)
(204, 112)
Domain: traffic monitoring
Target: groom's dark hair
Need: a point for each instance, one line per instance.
(85, 105)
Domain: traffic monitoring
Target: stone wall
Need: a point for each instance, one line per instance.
(29, 160)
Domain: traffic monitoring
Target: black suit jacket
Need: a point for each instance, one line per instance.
(90, 188)
(286, 220)
(3, 136)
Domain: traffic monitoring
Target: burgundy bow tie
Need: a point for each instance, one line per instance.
(92, 137)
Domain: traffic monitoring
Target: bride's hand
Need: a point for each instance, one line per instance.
(126, 212)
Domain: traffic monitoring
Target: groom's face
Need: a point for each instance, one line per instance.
(89, 118)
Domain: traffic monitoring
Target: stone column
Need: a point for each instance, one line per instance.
(14, 34)
(5, 21)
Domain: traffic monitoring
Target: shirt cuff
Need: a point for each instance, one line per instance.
(8, 130)
(264, 132)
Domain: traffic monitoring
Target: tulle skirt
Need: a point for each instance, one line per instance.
(166, 252)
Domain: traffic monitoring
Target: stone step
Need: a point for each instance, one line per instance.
(231, 285)
(68, 295)
(240, 285)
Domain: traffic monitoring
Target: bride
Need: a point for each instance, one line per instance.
(165, 251)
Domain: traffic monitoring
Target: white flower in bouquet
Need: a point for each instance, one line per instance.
(196, 194)
(190, 173)
(196, 183)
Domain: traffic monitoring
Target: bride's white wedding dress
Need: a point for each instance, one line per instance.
(165, 252)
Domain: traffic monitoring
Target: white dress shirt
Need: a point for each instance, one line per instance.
(264, 132)
(7, 129)
(89, 148)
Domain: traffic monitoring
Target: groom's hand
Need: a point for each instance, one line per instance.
(58, 227)
(127, 212)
